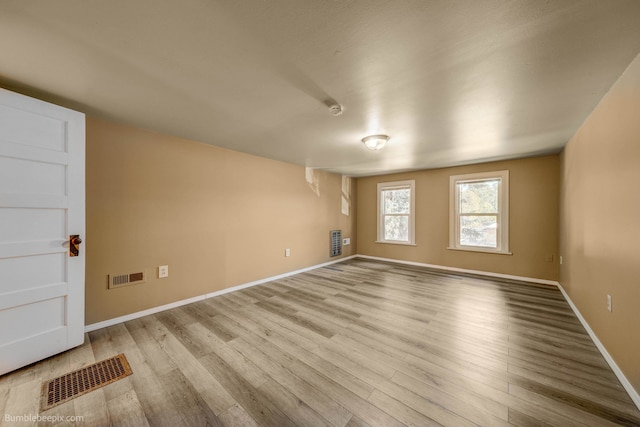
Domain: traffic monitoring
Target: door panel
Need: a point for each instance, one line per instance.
(17, 274)
(32, 224)
(32, 128)
(41, 204)
(19, 176)
(35, 318)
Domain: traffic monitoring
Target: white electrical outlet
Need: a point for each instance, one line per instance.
(287, 252)
(346, 241)
(163, 271)
(560, 259)
(609, 302)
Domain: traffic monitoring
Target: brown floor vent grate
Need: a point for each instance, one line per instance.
(82, 381)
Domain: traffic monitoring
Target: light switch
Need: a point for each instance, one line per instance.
(163, 271)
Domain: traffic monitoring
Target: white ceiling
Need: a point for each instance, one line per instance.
(451, 81)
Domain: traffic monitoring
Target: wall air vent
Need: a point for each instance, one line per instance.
(336, 242)
(119, 280)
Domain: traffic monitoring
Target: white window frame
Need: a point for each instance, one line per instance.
(397, 185)
(502, 239)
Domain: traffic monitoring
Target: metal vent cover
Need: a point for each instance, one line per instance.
(336, 242)
(69, 386)
(118, 280)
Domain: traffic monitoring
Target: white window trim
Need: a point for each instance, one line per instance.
(503, 210)
(411, 184)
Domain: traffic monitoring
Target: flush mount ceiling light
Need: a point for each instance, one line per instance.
(375, 142)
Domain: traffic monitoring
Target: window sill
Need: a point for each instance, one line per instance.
(395, 243)
(486, 251)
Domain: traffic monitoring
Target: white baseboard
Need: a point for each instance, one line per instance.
(625, 382)
(138, 314)
(464, 270)
(153, 310)
(633, 393)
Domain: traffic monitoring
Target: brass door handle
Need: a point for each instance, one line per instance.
(74, 244)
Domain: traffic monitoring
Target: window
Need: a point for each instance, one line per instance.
(396, 208)
(479, 212)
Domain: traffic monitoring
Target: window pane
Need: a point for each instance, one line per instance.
(396, 228)
(479, 197)
(479, 231)
(397, 201)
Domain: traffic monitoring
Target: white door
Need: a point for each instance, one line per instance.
(41, 205)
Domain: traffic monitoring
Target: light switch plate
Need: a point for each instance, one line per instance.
(163, 271)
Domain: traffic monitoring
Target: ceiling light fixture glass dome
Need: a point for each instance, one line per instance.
(375, 142)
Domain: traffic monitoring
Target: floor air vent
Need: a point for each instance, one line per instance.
(76, 383)
(115, 281)
(336, 242)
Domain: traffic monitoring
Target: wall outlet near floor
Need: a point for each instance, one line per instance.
(346, 241)
(609, 302)
(163, 271)
(287, 252)
(560, 259)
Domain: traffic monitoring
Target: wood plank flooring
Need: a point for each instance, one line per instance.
(358, 343)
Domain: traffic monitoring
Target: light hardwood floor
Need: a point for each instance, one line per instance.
(353, 344)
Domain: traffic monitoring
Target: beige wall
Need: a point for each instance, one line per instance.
(600, 221)
(534, 192)
(218, 218)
